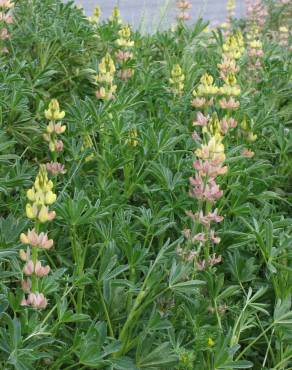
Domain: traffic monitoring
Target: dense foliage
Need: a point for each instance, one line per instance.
(101, 131)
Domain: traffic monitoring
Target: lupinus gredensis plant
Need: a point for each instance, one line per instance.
(256, 19)
(177, 80)
(40, 197)
(54, 129)
(105, 79)
(210, 155)
(183, 6)
(125, 54)
(5, 19)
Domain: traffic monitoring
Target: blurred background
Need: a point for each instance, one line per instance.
(153, 14)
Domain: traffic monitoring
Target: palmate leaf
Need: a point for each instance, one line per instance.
(161, 357)
(93, 347)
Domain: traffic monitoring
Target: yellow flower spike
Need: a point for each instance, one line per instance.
(96, 15)
(115, 17)
(211, 342)
(125, 35)
(230, 5)
(105, 78)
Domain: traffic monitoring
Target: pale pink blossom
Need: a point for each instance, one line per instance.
(205, 220)
(28, 268)
(184, 16)
(26, 285)
(36, 269)
(196, 136)
(41, 270)
(59, 146)
(199, 102)
(35, 300)
(6, 4)
(201, 120)
(231, 103)
(36, 240)
(6, 18)
(124, 55)
(55, 168)
(215, 239)
(209, 169)
(213, 260)
(4, 35)
(247, 153)
(125, 74)
(200, 237)
(183, 4)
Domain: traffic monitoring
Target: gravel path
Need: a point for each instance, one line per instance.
(153, 14)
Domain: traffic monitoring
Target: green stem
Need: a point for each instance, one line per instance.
(105, 311)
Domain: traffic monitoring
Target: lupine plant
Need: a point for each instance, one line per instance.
(145, 186)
